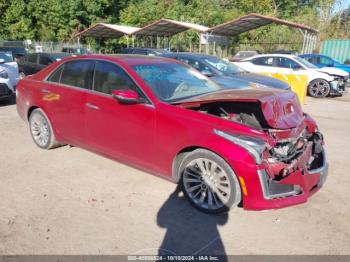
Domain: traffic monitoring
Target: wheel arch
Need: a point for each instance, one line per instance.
(181, 155)
(30, 110)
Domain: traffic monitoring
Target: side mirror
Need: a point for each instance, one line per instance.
(207, 73)
(127, 96)
(2, 61)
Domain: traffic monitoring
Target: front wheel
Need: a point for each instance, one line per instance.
(208, 182)
(318, 88)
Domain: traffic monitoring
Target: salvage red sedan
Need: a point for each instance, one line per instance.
(251, 146)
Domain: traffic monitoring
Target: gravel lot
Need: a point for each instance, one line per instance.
(70, 201)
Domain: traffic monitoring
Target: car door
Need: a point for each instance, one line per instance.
(31, 65)
(24, 64)
(120, 130)
(262, 65)
(44, 61)
(64, 95)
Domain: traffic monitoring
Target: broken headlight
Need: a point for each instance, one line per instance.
(253, 145)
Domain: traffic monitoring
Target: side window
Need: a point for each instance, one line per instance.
(308, 58)
(286, 63)
(55, 76)
(195, 64)
(77, 73)
(109, 77)
(44, 60)
(32, 58)
(326, 61)
(262, 61)
(140, 52)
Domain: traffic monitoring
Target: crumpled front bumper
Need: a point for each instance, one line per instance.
(293, 189)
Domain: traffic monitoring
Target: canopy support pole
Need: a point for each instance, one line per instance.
(200, 44)
(127, 41)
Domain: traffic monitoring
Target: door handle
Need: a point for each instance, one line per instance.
(92, 106)
(45, 91)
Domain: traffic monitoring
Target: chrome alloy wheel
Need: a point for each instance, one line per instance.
(40, 130)
(319, 88)
(206, 183)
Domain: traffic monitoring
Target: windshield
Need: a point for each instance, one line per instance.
(7, 56)
(305, 62)
(171, 82)
(223, 66)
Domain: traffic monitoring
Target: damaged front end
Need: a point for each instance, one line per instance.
(294, 166)
(290, 160)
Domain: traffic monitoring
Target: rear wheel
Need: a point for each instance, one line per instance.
(318, 88)
(41, 130)
(208, 182)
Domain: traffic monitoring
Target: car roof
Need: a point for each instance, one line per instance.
(270, 55)
(129, 59)
(313, 55)
(188, 54)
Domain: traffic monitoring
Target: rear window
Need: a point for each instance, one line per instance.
(56, 76)
(77, 73)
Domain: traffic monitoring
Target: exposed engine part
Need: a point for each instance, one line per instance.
(286, 157)
(287, 151)
(249, 114)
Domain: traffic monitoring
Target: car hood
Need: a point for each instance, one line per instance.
(281, 109)
(264, 80)
(333, 71)
(247, 80)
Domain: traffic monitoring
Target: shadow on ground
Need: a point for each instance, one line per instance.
(189, 232)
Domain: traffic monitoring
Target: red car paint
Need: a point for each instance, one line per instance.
(149, 136)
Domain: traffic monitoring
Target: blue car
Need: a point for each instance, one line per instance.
(325, 61)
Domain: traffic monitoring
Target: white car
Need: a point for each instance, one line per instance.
(9, 75)
(321, 81)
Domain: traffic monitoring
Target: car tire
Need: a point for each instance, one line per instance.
(208, 182)
(41, 130)
(318, 88)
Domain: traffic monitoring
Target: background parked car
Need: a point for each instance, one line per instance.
(320, 81)
(225, 73)
(285, 52)
(8, 75)
(325, 61)
(347, 61)
(76, 50)
(17, 52)
(242, 55)
(144, 51)
(33, 63)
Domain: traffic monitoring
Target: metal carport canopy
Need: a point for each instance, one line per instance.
(253, 21)
(102, 30)
(167, 27)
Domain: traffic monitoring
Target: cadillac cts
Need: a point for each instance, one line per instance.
(253, 147)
